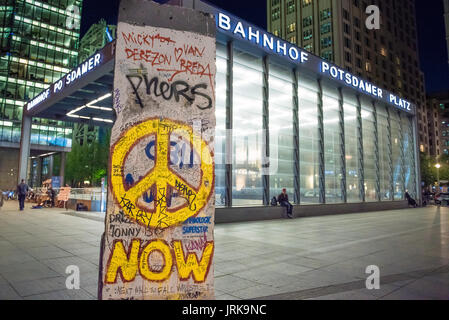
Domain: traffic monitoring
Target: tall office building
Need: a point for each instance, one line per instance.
(336, 31)
(38, 45)
(98, 36)
(438, 107)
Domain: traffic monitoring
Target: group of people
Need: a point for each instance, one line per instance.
(282, 199)
(23, 190)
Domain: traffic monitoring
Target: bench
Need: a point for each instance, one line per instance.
(63, 197)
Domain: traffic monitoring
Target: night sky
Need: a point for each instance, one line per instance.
(431, 34)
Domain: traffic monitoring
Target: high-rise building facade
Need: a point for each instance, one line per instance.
(38, 45)
(335, 30)
(96, 38)
(438, 106)
(98, 35)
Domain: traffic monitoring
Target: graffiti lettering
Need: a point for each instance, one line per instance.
(189, 194)
(126, 264)
(188, 50)
(145, 39)
(119, 218)
(196, 220)
(192, 68)
(118, 232)
(154, 58)
(199, 245)
(167, 91)
(200, 229)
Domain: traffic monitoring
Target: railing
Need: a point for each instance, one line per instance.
(87, 194)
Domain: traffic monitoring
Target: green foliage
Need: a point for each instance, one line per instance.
(87, 162)
(429, 171)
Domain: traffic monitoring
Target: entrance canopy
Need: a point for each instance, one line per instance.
(83, 95)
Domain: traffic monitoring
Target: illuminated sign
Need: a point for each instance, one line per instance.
(241, 30)
(351, 80)
(262, 38)
(79, 72)
(40, 98)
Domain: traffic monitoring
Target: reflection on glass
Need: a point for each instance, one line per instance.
(409, 159)
(281, 132)
(384, 153)
(220, 129)
(351, 147)
(396, 140)
(308, 140)
(332, 144)
(369, 150)
(248, 132)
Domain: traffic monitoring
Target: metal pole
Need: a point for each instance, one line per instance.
(343, 184)
(322, 177)
(297, 195)
(266, 128)
(229, 123)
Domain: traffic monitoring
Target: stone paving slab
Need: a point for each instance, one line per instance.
(307, 258)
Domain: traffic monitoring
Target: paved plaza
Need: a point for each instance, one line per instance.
(308, 258)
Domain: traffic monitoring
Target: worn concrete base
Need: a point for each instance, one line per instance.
(229, 215)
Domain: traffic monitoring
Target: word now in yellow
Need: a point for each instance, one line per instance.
(137, 259)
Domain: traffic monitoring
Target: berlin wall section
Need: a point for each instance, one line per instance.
(158, 241)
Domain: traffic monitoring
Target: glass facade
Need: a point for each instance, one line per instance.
(397, 142)
(37, 49)
(220, 127)
(309, 140)
(351, 149)
(281, 131)
(369, 150)
(248, 131)
(332, 144)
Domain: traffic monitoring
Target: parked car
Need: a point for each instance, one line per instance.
(442, 198)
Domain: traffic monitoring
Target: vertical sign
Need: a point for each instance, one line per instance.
(158, 241)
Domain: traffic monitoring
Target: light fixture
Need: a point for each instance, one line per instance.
(91, 105)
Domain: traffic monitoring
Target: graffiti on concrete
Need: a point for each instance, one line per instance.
(158, 241)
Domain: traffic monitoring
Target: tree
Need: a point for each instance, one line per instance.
(428, 170)
(88, 162)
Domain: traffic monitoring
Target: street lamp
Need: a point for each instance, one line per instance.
(438, 166)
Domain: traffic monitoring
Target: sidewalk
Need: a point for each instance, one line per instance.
(311, 258)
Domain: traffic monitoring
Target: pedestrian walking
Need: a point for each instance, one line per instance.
(283, 201)
(22, 190)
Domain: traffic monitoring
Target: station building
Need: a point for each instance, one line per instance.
(337, 142)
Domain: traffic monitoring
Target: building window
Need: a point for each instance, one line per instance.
(326, 42)
(307, 34)
(351, 147)
(281, 130)
(369, 150)
(309, 137)
(220, 128)
(332, 144)
(247, 188)
(325, 14)
(326, 28)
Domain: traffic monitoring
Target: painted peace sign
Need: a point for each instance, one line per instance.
(161, 176)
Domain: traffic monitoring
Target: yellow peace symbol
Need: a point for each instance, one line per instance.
(161, 174)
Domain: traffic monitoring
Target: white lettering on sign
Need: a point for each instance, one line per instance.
(351, 80)
(83, 69)
(40, 98)
(401, 103)
(263, 39)
(243, 30)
